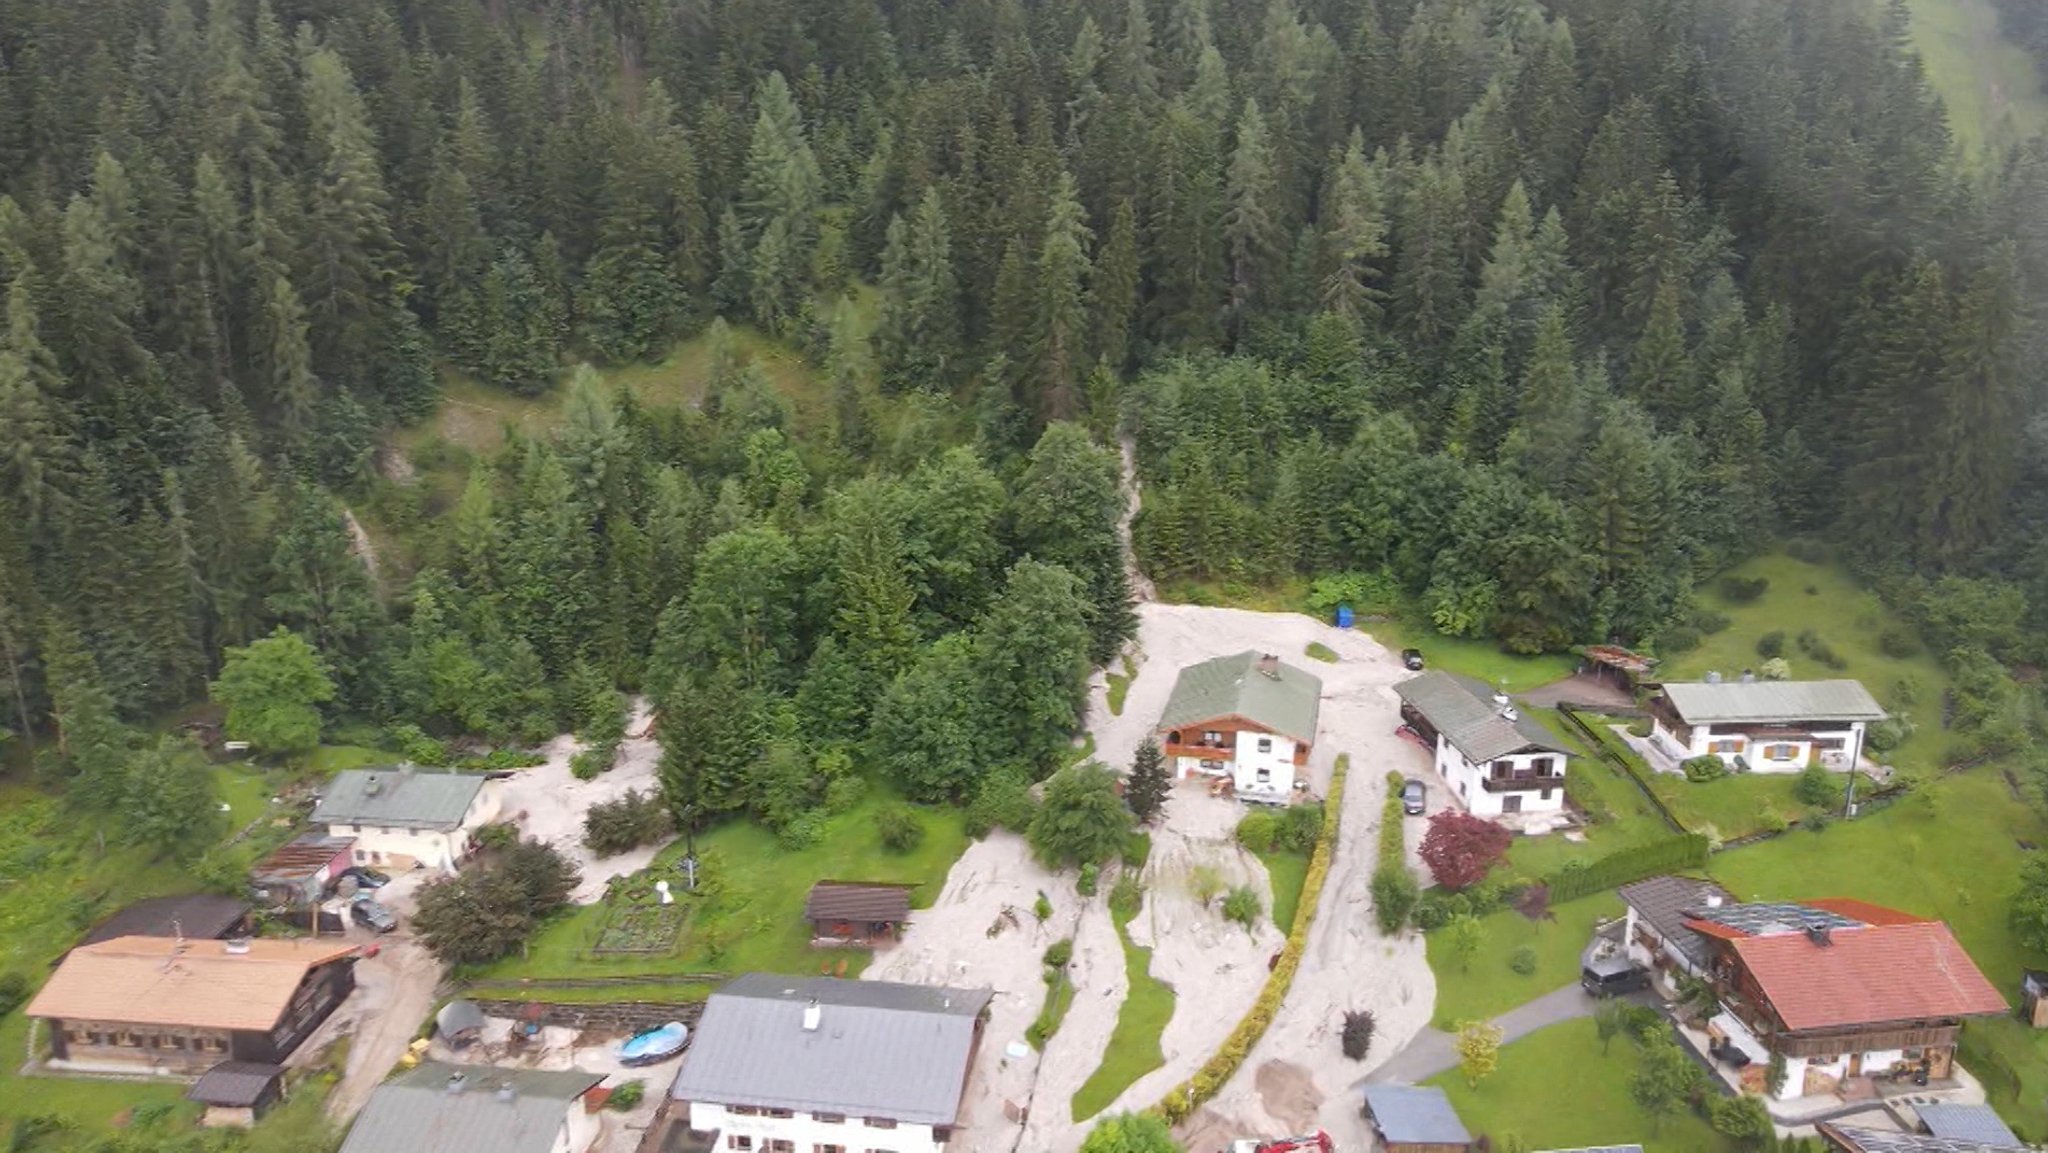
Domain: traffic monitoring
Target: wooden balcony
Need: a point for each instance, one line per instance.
(1522, 782)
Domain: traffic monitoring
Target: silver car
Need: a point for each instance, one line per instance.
(1414, 797)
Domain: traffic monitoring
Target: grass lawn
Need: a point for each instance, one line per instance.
(765, 886)
(1133, 1049)
(91, 1105)
(1288, 872)
(328, 760)
(1554, 1089)
(1489, 988)
(1120, 686)
(1992, 88)
(1318, 651)
(1733, 806)
(1621, 816)
(1845, 615)
(1956, 862)
(246, 791)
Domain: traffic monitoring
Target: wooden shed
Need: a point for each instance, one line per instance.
(2034, 998)
(858, 913)
(1415, 1119)
(237, 1093)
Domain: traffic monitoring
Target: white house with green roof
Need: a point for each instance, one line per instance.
(1247, 717)
(403, 818)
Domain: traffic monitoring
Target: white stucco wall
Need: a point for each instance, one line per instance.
(579, 1132)
(432, 848)
(803, 1131)
(1277, 761)
(1465, 780)
(1751, 749)
(1796, 1068)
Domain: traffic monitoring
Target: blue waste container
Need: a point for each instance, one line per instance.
(1344, 617)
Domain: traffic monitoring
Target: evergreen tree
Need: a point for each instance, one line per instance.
(1354, 243)
(1251, 231)
(1060, 330)
(1149, 784)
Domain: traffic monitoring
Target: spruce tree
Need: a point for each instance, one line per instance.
(1060, 329)
(1252, 233)
(1149, 784)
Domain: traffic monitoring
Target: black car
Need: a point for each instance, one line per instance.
(366, 878)
(1613, 976)
(1412, 658)
(1414, 797)
(372, 916)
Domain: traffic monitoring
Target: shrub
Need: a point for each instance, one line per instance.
(613, 827)
(1460, 848)
(1368, 594)
(13, 992)
(1898, 643)
(1678, 639)
(1393, 898)
(1889, 733)
(489, 910)
(1059, 953)
(1042, 907)
(803, 830)
(1300, 825)
(586, 765)
(1257, 830)
(1905, 693)
(1707, 621)
(1817, 647)
(1357, 1034)
(1816, 787)
(417, 747)
(627, 1095)
(1125, 895)
(1002, 800)
(900, 829)
(1091, 875)
(1523, 960)
(1806, 550)
(1706, 767)
(1768, 818)
(1771, 644)
(1775, 669)
(1243, 906)
(1743, 1118)
(1743, 590)
(1081, 818)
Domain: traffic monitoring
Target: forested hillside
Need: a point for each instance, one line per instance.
(1538, 312)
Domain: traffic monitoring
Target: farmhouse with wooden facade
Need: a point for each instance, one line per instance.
(176, 1006)
(1248, 718)
(1839, 989)
(1772, 726)
(1496, 760)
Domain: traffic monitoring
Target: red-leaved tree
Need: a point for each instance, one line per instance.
(1459, 847)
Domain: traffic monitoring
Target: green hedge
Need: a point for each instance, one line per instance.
(1577, 879)
(1190, 1094)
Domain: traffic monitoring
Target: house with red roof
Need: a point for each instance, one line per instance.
(1839, 990)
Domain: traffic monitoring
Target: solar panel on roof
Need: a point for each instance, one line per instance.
(1761, 918)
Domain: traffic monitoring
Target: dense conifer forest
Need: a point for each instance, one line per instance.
(1535, 314)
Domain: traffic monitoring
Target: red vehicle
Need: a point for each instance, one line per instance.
(1317, 1142)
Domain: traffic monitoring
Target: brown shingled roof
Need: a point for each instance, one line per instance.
(164, 981)
(857, 901)
(1868, 976)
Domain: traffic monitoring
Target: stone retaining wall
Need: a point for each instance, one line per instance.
(614, 1016)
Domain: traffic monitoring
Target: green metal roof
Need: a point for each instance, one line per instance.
(1280, 697)
(1464, 711)
(1763, 702)
(436, 1108)
(399, 797)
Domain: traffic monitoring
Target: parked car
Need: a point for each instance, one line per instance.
(1613, 976)
(366, 878)
(1412, 659)
(1414, 797)
(372, 916)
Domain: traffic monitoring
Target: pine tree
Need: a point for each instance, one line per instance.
(345, 263)
(779, 203)
(918, 335)
(1354, 231)
(1060, 331)
(1149, 785)
(1252, 232)
(1429, 276)
(1113, 289)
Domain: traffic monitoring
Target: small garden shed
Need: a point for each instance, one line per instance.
(237, 1093)
(2034, 998)
(1415, 1119)
(857, 912)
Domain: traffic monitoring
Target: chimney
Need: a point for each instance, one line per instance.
(1749, 676)
(1818, 934)
(235, 946)
(507, 1094)
(1713, 900)
(456, 1083)
(813, 1014)
(373, 786)
(1269, 666)
(1713, 676)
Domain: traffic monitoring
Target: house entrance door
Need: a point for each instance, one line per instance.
(1512, 803)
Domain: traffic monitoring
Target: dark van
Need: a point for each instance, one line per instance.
(1613, 976)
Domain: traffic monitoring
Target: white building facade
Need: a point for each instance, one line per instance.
(1248, 718)
(1769, 726)
(1498, 762)
(404, 818)
(745, 1129)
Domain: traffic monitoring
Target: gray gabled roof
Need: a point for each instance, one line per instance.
(416, 1111)
(1765, 702)
(879, 1049)
(402, 797)
(1415, 1115)
(1966, 1123)
(1286, 701)
(234, 1084)
(1463, 710)
(1666, 903)
(1858, 1139)
(196, 915)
